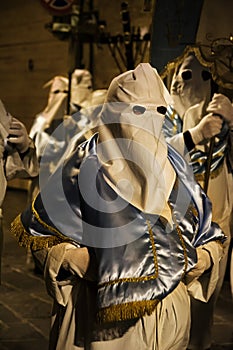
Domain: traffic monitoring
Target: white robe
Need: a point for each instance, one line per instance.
(167, 328)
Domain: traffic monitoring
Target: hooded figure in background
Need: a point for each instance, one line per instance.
(53, 115)
(17, 157)
(195, 116)
(53, 128)
(122, 230)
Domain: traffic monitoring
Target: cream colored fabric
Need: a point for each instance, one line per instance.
(98, 96)
(188, 92)
(159, 331)
(81, 94)
(60, 291)
(168, 326)
(222, 105)
(131, 147)
(220, 191)
(4, 121)
(70, 318)
(190, 100)
(63, 333)
(56, 106)
(202, 287)
(81, 87)
(206, 289)
(13, 166)
(192, 115)
(96, 101)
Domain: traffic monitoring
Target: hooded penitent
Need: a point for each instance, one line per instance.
(131, 145)
(115, 193)
(191, 84)
(191, 89)
(81, 87)
(56, 109)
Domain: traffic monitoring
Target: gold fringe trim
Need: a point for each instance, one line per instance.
(126, 311)
(213, 174)
(178, 60)
(184, 249)
(25, 239)
(153, 249)
(197, 50)
(180, 235)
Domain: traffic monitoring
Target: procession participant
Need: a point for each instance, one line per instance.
(53, 128)
(194, 118)
(48, 120)
(17, 156)
(120, 226)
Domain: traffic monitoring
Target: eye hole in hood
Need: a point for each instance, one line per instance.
(186, 75)
(205, 75)
(139, 110)
(162, 110)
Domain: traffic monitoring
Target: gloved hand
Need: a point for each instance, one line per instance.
(208, 127)
(203, 264)
(18, 135)
(221, 104)
(76, 261)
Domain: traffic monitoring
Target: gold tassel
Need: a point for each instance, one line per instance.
(26, 240)
(213, 175)
(126, 311)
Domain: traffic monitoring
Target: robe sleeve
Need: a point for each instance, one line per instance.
(203, 287)
(22, 166)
